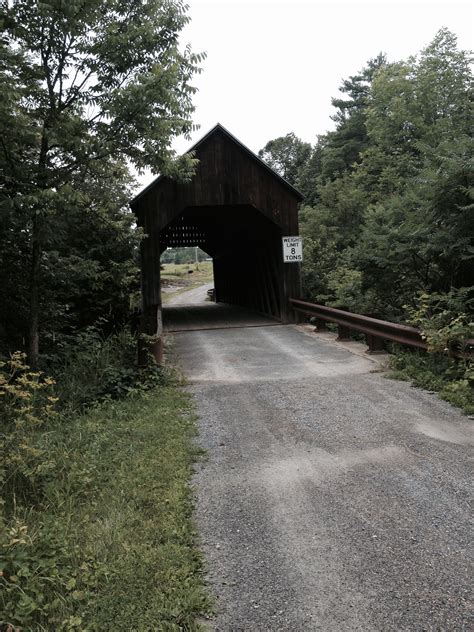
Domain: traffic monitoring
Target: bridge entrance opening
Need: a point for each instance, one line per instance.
(237, 210)
(244, 247)
(182, 269)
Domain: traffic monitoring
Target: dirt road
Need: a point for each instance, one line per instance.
(332, 499)
(191, 297)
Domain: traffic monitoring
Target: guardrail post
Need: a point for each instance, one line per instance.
(320, 325)
(343, 333)
(374, 343)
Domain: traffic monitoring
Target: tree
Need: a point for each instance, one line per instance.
(390, 212)
(417, 174)
(90, 85)
(344, 146)
(309, 173)
(333, 217)
(286, 155)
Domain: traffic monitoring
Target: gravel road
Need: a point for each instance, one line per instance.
(191, 297)
(332, 498)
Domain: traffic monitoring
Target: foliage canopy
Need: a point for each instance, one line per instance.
(89, 87)
(388, 194)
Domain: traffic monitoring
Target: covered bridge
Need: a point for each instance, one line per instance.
(237, 209)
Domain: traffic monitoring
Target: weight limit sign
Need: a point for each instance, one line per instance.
(292, 249)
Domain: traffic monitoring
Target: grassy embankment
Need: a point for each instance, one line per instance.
(451, 379)
(178, 278)
(95, 520)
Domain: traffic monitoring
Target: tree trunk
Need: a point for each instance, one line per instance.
(36, 253)
(33, 342)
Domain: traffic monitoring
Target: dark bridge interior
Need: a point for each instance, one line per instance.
(237, 210)
(244, 246)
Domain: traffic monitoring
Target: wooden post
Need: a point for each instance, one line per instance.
(150, 327)
(151, 323)
(320, 325)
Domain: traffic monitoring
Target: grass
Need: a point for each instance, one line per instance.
(111, 545)
(201, 273)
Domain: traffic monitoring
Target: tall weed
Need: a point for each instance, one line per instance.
(27, 403)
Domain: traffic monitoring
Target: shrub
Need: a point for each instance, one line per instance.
(446, 320)
(452, 379)
(446, 323)
(92, 367)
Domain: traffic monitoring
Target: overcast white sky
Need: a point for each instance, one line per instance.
(272, 67)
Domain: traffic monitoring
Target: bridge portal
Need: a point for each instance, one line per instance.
(235, 208)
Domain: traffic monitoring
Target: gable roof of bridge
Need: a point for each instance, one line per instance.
(218, 128)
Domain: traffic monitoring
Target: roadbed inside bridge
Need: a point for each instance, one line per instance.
(332, 498)
(190, 311)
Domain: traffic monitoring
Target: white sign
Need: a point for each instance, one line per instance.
(292, 249)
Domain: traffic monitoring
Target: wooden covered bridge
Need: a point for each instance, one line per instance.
(235, 208)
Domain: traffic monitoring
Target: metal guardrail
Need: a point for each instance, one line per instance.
(376, 330)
